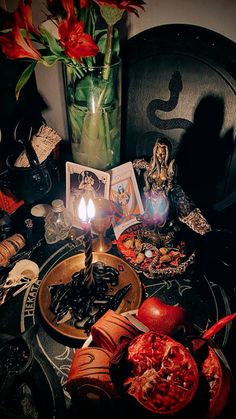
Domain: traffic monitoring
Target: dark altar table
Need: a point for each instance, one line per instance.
(199, 291)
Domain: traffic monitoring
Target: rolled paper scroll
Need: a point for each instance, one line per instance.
(43, 142)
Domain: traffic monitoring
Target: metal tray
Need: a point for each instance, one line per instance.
(62, 273)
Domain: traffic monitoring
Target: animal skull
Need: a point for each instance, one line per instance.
(24, 272)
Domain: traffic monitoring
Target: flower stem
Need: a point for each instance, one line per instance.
(107, 130)
(107, 62)
(108, 52)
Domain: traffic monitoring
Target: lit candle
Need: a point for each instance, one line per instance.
(85, 215)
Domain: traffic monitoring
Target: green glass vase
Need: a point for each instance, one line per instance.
(94, 114)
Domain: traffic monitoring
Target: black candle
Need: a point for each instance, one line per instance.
(85, 215)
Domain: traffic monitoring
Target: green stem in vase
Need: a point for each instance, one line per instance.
(108, 52)
(98, 145)
(107, 63)
(96, 122)
(107, 131)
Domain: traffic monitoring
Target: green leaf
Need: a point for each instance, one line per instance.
(6, 30)
(24, 78)
(54, 45)
(100, 32)
(89, 16)
(115, 42)
(102, 43)
(50, 59)
(31, 35)
(85, 90)
(76, 117)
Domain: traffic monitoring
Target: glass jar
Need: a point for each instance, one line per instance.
(94, 114)
(58, 222)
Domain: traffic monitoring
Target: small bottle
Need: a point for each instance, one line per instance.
(57, 222)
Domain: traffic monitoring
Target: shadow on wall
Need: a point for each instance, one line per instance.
(204, 156)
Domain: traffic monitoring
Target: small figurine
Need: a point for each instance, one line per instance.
(165, 201)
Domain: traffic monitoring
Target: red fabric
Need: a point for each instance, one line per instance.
(9, 203)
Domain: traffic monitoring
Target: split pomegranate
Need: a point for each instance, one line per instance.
(219, 381)
(161, 317)
(216, 374)
(164, 375)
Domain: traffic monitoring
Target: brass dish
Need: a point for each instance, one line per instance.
(61, 274)
(148, 267)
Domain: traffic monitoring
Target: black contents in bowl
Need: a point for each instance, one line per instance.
(14, 357)
(82, 306)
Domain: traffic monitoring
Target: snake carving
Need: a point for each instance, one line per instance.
(175, 88)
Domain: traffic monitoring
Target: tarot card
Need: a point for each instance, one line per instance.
(86, 181)
(125, 194)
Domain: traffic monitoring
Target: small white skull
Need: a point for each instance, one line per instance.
(24, 272)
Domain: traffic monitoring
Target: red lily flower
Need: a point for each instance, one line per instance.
(15, 46)
(76, 42)
(69, 7)
(84, 3)
(23, 16)
(128, 5)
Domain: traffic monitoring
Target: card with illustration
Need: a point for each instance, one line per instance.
(125, 194)
(86, 181)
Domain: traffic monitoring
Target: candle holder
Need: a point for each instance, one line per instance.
(100, 224)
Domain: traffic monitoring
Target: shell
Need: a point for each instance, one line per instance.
(23, 270)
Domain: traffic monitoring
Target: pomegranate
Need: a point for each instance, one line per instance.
(164, 376)
(214, 371)
(161, 317)
(219, 381)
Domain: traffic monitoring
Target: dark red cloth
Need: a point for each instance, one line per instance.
(9, 203)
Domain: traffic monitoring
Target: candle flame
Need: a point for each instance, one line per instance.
(82, 210)
(90, 209)
(86, 212)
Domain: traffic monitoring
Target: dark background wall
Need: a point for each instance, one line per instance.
(29, 105)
